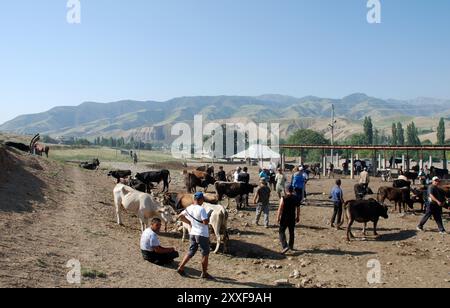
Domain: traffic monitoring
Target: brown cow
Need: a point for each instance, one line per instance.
(184, 200)
(40, 148)
(400, 197)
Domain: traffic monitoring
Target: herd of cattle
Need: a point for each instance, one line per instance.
(134, 194)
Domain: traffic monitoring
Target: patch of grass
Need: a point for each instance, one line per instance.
(100, 234)
(63, 154)
(93, 274)
(41, 263)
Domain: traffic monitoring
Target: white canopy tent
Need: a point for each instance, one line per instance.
(259, 152)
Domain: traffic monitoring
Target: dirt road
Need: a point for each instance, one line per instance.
(68, 214)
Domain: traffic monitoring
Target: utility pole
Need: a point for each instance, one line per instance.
(332, 125)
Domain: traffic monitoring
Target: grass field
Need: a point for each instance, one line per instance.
(106, 155)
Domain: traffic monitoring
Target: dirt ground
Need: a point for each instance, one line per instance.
(51, 213)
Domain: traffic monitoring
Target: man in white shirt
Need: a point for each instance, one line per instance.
(196, 216)
(236, 174)
(151, 246)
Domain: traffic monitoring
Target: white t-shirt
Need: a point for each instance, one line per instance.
(199, 213)
(149, 240)
(236, 177)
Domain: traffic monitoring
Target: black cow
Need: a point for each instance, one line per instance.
(411, 176)
(195, 179)
(155, 177)
(119, 174)
(19, 146)
(139, 186)
(364, 211)
(234, 190)
(362, 190)
(401, 184)
(91, 165)
(441, 173)
(289, 167)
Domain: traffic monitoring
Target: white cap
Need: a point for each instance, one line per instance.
(436, 178)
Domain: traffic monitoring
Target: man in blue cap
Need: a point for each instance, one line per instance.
(197, 218)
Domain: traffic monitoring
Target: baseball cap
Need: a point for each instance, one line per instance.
(199, 196)
(436, 179)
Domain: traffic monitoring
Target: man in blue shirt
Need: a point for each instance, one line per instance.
(263, 175)
(337, 196)
(298, 182)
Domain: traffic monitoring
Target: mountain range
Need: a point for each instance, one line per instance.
(152, 120)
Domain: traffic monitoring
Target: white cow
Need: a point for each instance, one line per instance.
(143, 205)
(218, 222)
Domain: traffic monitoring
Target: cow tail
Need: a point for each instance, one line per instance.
(344, 214)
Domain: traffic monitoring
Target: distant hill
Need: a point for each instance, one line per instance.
(152, 120)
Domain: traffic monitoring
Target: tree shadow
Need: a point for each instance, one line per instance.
(247, 250)
(19, 188)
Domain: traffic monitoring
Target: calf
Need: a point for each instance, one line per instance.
(119, 174)
(364, 211)
(143, 205)
(362, 190)
(94, 165)
(419, 195)
(400, 196)
(155, 177)
(218, 221)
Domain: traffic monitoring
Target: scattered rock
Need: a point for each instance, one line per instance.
(295, 274)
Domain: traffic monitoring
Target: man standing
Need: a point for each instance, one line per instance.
(151, 246)
(221, 175)
(306, 177)
(330, 170)
(364, 179)
(262, 200)
(280, 179)
(236, 174)
(298, 182)
(434, 207)
(135, 158)
(288, 216)
(337, 196)
(196, 216)
(263, 174)
(244, 177)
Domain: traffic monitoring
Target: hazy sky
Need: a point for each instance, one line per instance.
(145, 49)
